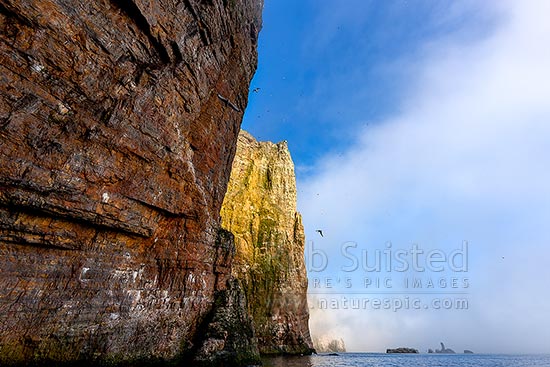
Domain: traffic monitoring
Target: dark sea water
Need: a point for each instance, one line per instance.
(411, 360)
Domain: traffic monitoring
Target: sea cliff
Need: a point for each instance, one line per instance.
(118, 124)
(260, 210)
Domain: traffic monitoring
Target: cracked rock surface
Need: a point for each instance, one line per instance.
(115, 152)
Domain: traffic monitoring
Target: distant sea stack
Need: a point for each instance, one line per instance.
(327, 344)
(444, 350)
(115, 154)
(260, 210)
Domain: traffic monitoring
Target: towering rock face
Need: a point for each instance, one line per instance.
(260, 210)
(118, 123)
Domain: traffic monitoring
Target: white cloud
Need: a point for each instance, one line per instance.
(467, 159)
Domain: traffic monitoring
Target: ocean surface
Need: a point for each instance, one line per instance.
(411, 360)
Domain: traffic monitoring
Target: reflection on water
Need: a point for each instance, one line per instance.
(305, 361)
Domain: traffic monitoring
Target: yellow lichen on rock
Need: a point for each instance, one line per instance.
(260, 209)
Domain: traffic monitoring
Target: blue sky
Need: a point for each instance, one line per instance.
(327, 68)
(418, 123)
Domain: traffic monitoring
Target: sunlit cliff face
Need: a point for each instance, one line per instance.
(260, 209)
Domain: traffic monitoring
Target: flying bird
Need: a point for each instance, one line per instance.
(256, 90)
(320, 232)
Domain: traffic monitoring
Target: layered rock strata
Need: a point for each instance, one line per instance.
(118, 123)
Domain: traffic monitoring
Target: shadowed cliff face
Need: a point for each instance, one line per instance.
(260, 210)
(118, 122)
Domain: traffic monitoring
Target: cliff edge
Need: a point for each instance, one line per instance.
(260, 210)
(118, 123)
